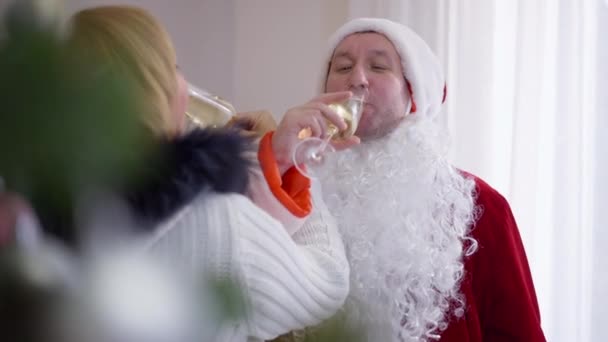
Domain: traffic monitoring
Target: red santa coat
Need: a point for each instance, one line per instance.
(500, 299)
(501, 302)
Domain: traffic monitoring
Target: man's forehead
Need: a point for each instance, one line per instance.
(369, 42)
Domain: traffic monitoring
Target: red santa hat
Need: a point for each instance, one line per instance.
(421, 68)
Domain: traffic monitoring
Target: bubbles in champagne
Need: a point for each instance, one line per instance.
(206, 110)
(311, 153)
(350, 112)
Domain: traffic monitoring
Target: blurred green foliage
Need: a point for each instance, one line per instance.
(66, 124)
(332, 330)
(25, 305)
(229, 298)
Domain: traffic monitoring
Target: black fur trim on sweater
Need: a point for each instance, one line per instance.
(202, 160)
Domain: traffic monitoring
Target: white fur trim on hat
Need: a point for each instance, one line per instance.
(421, 67)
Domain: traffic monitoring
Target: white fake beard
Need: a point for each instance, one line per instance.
(405, 215)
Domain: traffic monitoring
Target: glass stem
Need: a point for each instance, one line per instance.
(332, 131)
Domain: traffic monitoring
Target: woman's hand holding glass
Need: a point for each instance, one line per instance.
(205, 110)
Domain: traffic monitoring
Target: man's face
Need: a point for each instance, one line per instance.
(367, 63)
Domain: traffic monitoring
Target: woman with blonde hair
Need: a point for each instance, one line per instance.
(194, 208)
(131, 42)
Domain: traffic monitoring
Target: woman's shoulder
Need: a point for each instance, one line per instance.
(225, 206)
(197, 164)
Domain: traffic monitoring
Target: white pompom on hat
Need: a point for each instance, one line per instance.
(421, 67)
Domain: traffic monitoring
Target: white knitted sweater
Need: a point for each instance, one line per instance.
(290, 281)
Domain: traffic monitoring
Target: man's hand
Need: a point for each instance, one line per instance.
(310, 119)
(254, 123)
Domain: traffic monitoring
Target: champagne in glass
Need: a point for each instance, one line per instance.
(350, 112)
(311, 152)
(206, 110)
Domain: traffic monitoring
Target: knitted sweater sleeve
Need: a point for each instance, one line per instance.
(290, 283)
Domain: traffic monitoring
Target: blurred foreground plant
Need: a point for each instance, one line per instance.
(69, 128)
(66, 126)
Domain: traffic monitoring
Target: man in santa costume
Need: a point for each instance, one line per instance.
(435, 252)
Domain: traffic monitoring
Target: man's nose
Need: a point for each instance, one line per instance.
(358, 79)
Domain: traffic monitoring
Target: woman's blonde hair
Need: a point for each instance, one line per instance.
(130, 41)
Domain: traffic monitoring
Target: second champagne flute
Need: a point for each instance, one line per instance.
(311, 152)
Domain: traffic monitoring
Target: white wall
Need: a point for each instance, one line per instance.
(257, 54)
(279, 45)
(202, 32)
(600, 234)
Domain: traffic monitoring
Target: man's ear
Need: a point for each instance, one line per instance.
(326, 76)
(408, 107)
(411, 93)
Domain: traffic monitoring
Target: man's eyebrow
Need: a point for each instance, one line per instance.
(379, 53)
(342, 54)
(374, 53)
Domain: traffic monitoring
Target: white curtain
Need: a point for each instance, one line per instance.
(527, 108)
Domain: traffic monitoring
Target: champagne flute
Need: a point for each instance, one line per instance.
(311, 153)
(207, 110)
